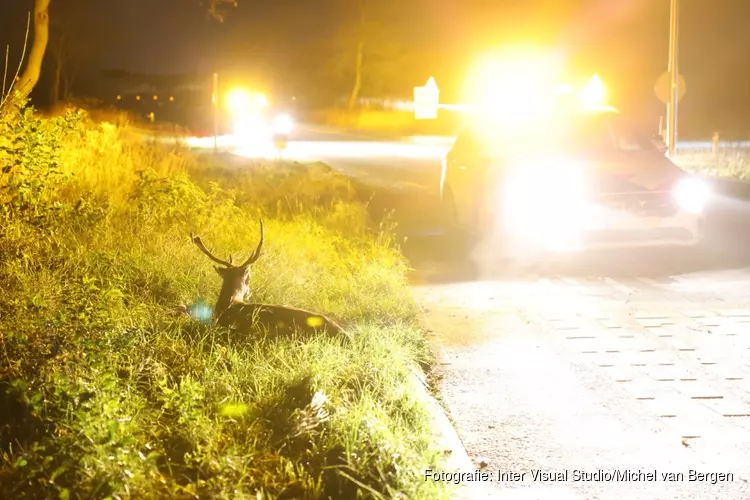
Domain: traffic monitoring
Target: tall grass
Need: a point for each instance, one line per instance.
(729, 163)
(107, 392)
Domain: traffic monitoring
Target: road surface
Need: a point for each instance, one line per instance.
(633, 361)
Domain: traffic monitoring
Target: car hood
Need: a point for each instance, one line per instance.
(618, 173)
(637, 171)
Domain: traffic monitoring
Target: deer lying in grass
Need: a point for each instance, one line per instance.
(231, 311)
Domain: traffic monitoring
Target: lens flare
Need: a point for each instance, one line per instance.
(692, 195)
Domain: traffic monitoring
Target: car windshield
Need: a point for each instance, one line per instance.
(584, 134)
(599, 133)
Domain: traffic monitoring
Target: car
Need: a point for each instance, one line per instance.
(586, 179)
(254, 121)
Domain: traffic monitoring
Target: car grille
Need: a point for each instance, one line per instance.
(644, 204)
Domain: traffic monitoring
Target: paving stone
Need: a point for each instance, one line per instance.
(695, 389)
(728, 407)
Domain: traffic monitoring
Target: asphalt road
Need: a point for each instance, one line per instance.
(613, 361)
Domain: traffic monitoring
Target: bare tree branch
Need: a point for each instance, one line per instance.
(5, 97)
(368, 56)
(72, 32)
(5, 71)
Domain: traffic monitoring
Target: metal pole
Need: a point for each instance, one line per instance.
(674, 37)
(215, 104)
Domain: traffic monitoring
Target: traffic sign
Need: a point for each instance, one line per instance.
(663, 87)
(426, 101)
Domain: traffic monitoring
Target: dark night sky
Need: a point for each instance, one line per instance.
(624, 40)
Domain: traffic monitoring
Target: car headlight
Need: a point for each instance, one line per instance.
(691, 195)
(283, 124)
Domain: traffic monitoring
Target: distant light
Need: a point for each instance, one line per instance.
(156, 98)
(283, 124)
(238, 100)
(512, 86)
(119, 98)
(595, 92)
(241, 100)
(171, 98)
(137, 98)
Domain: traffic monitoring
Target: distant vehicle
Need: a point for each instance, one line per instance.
(254, 120)
(587, 180)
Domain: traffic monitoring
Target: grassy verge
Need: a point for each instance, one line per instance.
(106, 392)
(729, 163)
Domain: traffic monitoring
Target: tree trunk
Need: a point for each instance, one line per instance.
(360, 55)
(357, 75)
(30, 76)
(67, 86)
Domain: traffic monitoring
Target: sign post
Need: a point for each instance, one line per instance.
(674, 98)
(663, 87)
(426, 101)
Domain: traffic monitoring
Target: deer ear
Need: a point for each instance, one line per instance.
(220, 270)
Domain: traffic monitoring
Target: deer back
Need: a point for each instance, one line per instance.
(277, 319)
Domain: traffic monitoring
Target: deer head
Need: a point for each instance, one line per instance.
(235, 278)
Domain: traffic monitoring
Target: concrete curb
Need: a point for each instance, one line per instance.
(456, 458)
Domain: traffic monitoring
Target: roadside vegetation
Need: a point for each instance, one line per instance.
(729, 163)
(107, 392)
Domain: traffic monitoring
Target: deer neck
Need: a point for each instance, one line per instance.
(225, 300)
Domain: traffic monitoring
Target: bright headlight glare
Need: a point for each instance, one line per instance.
(283, 124)
(248, 125)
(543, 201)
(249, 129)
(692, 195)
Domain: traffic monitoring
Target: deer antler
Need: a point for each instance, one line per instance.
(197, 241)
(256, 255)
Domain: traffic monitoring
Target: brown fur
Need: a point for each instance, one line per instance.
(232, 311)
(277, 319)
